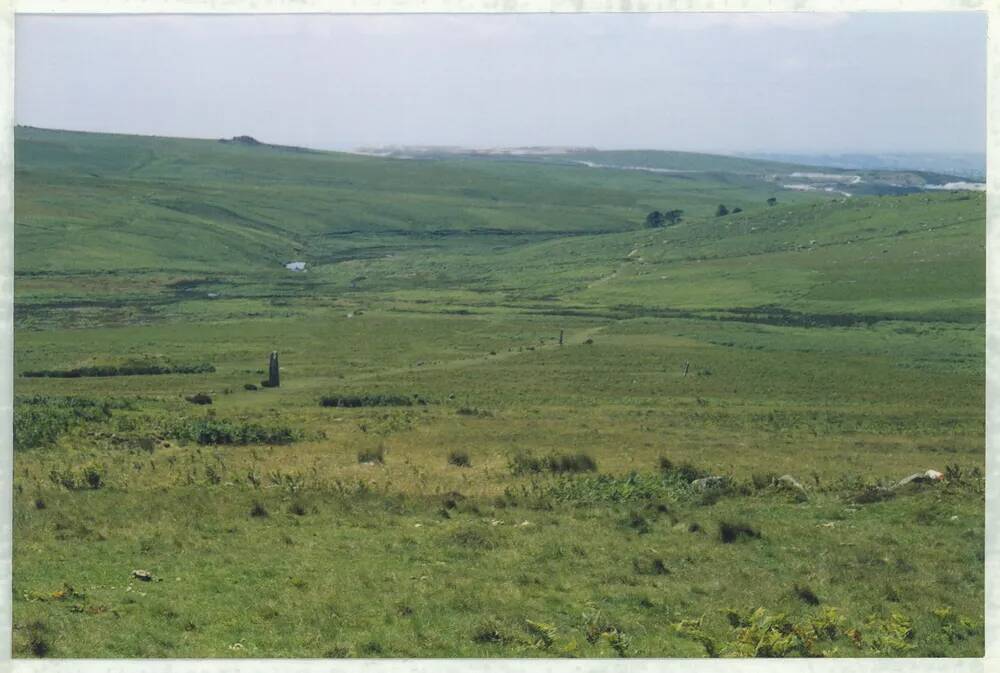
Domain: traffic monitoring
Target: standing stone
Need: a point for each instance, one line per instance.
(272, 372)
(560, 337)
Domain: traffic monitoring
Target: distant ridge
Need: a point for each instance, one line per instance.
(250, 141)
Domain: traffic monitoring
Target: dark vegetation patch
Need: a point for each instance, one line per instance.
(474, 538)
(372, 456)
(654, 566)
(492, 631)
(88, 477)
(604, 488)
(684, 471)
(257, 510)
(525, 462)
(872, 493)
(474, 412)
(806, 595)
(40, 420)
(368, 400)
(36, 641)
(459, 459)
(199, 398)
(212, 431)
(249, 386)
(127, 369)
(731, 532)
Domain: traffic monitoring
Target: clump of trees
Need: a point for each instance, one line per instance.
(657, 220)
(772, 201)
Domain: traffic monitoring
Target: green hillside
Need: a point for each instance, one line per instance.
(498, 390)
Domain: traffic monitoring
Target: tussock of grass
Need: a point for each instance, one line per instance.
(685, 471)
(524, 462)
(459, 459)
(372, 456)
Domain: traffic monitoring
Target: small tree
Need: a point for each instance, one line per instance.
(673, 216)
(654, 220)
(771, 201)
(721, 210)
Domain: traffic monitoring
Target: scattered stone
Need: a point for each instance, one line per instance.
(706, 483)
(789, 483)
(928, 477)
(142, 575)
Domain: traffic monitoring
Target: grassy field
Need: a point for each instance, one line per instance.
(499, 390)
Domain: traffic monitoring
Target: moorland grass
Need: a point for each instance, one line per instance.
(580, 372)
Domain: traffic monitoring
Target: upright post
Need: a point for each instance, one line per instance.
(272, 371)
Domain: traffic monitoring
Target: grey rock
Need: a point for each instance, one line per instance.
(706, 483)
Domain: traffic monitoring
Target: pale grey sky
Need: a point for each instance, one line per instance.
(711, 82)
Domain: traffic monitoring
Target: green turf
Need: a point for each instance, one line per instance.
(839, 340)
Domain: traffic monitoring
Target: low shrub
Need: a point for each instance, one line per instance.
(257, 510)
(88, 477)
(249, 386)
(459, 459)
(524, 462)
(40, 420)
(684, 471)
(199, 398)
(577, 462)
(369, 400)
(604, 488)
(212, 431)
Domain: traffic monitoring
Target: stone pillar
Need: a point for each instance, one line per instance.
(272, 371)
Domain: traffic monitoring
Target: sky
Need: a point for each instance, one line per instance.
(807, 83)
